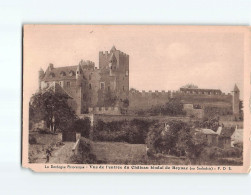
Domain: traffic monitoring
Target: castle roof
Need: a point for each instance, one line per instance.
(112, 58)
(237, 136)
(60, 73)
(198, 89)
(236, 89)
(227, 132)
(113, 48)
(207, 131)
(79, 68)
(56, 88)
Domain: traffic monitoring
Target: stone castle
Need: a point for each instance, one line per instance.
(105, 90)
(89, 86)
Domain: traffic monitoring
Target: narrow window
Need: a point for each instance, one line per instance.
(90, 86)
(68, 84)
(102, 85)
(127, 73)
(90, 77)
(123, 88)
(108, 88)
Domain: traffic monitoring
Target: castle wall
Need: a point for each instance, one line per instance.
(105, 110)
(145, 100)
(221, 100)
(142, 100)
(191, 112)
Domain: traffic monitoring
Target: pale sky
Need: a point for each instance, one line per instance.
(161, 57)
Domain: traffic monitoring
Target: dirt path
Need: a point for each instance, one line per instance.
(60, 154)
(63, 154)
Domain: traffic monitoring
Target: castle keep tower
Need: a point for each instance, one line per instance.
(114, 67)
(236, 101)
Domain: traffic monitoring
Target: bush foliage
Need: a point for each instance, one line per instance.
(173, 107)
(84, 155)
(49, 106)
(134, 131)
(82, 126)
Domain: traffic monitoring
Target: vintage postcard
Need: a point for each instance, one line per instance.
(136, 98)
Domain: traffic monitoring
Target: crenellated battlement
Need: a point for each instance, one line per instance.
(104, 110)
(107, 53)
(173, 94)
(150, 92)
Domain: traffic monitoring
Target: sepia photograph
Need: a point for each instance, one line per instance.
(131, 97)
(135, 98)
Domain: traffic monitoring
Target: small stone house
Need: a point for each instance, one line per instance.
(210, 135)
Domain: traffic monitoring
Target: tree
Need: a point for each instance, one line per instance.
(178, 139)
(168, 140)
(83, 126)
(195, 143)
(210, 123)
(190, 86)
(53, 108)
(173, 108)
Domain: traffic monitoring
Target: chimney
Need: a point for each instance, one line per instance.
(51, 66)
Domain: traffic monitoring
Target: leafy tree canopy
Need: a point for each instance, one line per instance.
(52, 107)
(190, 86)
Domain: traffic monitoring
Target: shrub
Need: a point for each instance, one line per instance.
(43, 131)
(212, 153)
(215, 155)
(174, 107)
(84, 155)
(82, 126)
(169, 140)
(134, 131)
(233, 152)
(32, 140)
(209, 123)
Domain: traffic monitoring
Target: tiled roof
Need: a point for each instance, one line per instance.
(113, 48)
(227, 132)
(236, 88)
(58, 73)
(197, 89)
(112, 58)
(56, 88)
(207, 131)
(237, 136)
